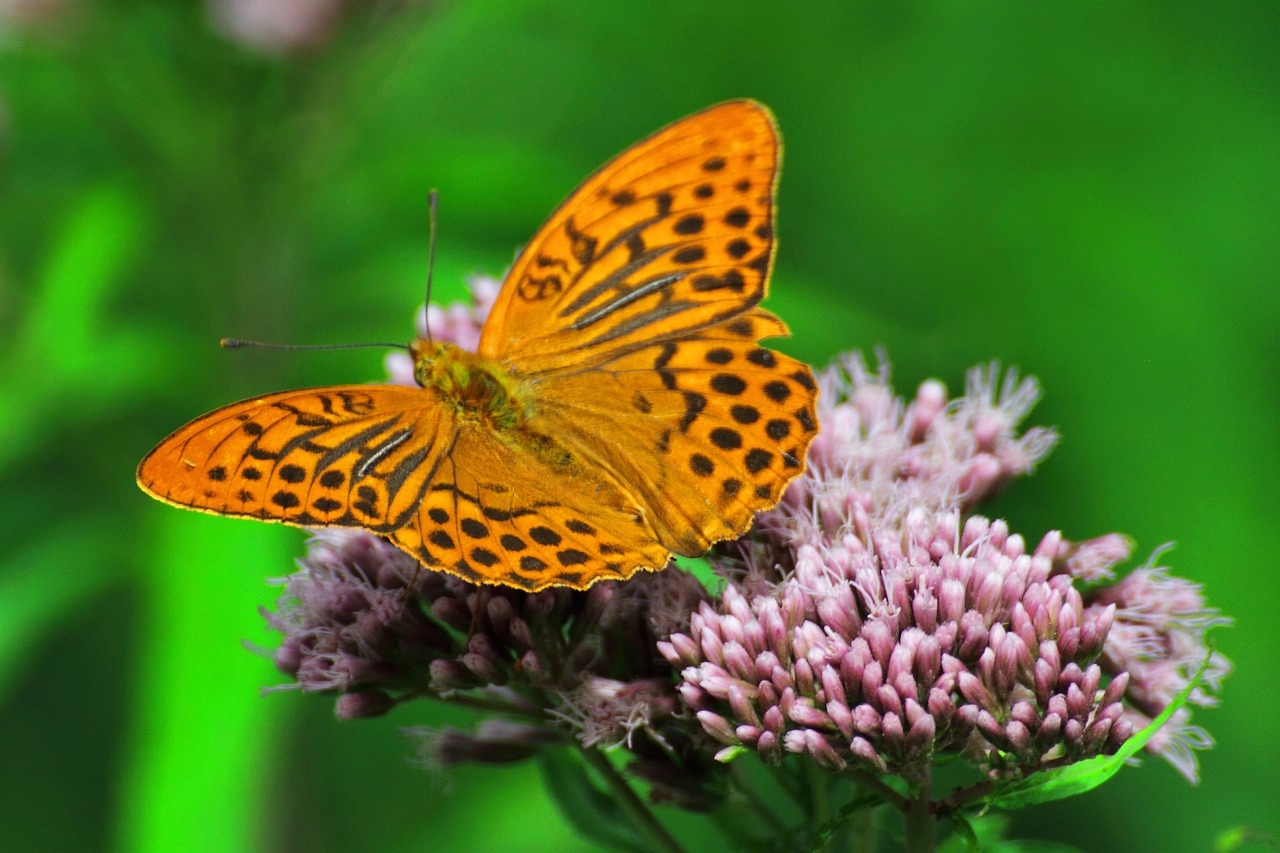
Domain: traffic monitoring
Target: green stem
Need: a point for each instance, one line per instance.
(958, 799)
(743, 786)
(920, 822)
(862, 831)
(631, 803)
(873, 785)
(480, 704)
(819, 805)
(816, 780)
(789, 779)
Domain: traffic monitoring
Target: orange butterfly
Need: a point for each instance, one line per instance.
(619, 408)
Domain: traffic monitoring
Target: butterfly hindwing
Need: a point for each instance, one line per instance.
(501, 514)
(706, 431)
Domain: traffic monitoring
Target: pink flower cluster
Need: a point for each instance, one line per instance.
(890, 648)
(868, 623)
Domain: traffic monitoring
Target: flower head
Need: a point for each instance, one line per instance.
(348, 627)
(906, 639)
(879, 453)
(362, 615)
(868, 623)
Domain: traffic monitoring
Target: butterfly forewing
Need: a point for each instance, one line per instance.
(347, 456)
(673, 235)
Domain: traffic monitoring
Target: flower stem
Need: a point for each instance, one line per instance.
(482, 704)
(819, 798)
(862, 831)
(743, 786)
(631, 803)
(920, 822)
(872, 785)
(819, 803)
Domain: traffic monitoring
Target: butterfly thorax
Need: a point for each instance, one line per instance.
(479, 389)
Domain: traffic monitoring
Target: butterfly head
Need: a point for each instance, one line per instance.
(478, 388)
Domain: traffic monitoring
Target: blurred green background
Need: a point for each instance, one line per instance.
(1087, 190)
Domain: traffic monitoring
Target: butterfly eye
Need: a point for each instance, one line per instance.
(425, 356)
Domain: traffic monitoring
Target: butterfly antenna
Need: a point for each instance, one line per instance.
(432, 202)
(237, 343)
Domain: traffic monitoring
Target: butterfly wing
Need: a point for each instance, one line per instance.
(343, 456)
(634, 308)
(497, 512)
(673, 235)
(392, 460)
(706, 430)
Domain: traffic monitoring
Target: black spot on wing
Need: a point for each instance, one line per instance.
(571, 557)
(727, 383)
(725, 438)
(701, 465)
(689, 224)
(544, 536)
(292, 473)
(474, 529)
(757, 460)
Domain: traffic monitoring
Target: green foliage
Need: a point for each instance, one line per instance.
(201, 732)
(986, 835)
(1090, 192)
(1244, 838)
(594, 812)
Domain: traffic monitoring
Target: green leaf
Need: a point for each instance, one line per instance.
(68, 358)
(100, 238)
(983, 835)
(592, 812)
(965, 837)
(203, 740)
(1082, 776)
(47, 580)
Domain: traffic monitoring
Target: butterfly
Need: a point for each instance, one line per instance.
(619, 408)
